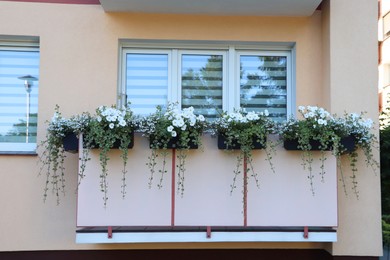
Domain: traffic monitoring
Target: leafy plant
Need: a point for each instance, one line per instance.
(109, 127)
(360, 129)
(53, 155)
(244, 129)
(172, 126)
(319, 128)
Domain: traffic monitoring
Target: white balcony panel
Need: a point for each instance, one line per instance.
(284, 198)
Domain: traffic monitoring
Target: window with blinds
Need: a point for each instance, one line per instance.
(146, 81)
(210, 78)
(202, 83)
(263, 84)
(18, 103)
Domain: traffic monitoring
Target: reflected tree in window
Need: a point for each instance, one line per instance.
(202, 82)
(263, 84)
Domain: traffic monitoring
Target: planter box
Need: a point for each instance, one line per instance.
(349, 143)
(235, 146)
(174, 143)
(71, 143)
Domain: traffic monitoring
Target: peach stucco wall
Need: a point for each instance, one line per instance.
(79, 71)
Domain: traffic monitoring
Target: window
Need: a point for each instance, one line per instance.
(19, 71)
(209, 77)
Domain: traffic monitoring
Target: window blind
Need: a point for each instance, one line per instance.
(146, 81)
(263, 84)
(201, 81)
(18, 107)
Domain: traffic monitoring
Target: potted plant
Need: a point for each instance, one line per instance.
(111, 127)
(314, 131)
(53, 149)
(356, 130)
(172, 128)
(319, 130)
(245, 131)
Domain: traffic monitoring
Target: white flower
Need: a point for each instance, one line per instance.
(322, 122)
(201, 118)
(122, 123)
(99, 118)
(170, 128)
(301, 108)
(111, 125)
(173, 133)
(184, 127)
(266, 113)
(180, 122)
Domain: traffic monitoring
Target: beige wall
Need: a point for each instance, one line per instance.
(353, 87)
(78, 71)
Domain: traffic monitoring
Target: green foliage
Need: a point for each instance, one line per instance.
(328, 131)
(53, 155)
(109, 126)
(171, 125)
(243, 129)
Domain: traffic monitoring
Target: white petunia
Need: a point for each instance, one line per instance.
(122, 123)
(170, 128)
(111, 125)
(98, 118)
(173, 133)
(266, 113)
(201, 118)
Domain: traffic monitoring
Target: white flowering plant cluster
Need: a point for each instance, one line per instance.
(319, 130)
(110, 127)
(53, 154)
(243, 130)
(360, 130)
(172, 122)
(172, 127)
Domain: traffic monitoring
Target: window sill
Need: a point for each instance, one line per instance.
(28, 153)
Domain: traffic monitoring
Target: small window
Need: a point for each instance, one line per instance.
(19, 73)
(210, 78)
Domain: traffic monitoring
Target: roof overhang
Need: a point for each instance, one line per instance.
(215, 7)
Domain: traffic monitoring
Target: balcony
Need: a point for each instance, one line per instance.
(283, 208)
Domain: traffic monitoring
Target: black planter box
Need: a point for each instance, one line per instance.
(71, 143)
(235, 146)
(174, 143)
(348, 144)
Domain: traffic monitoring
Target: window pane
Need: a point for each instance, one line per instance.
(201, 80)
(18, 105)
(263, 84)
(146, 81)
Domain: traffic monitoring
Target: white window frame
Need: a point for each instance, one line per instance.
(230, 52)
(21, 43)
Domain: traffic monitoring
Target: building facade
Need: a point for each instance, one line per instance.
(84, 54)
